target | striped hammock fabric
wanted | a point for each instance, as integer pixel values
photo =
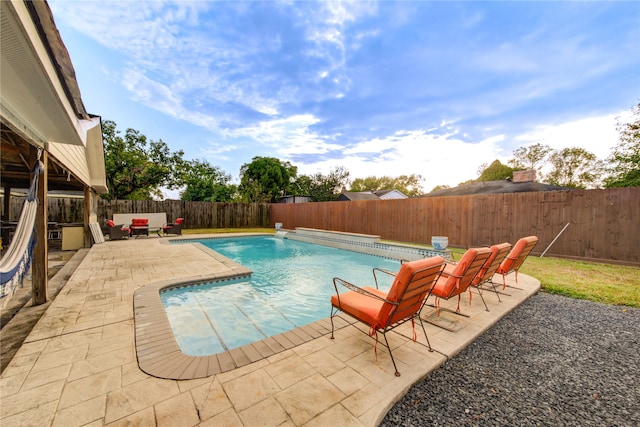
(16, 261)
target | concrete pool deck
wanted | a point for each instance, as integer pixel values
(79, 364)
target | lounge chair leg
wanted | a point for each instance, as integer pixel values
(331, 318)
(397, 374)
(425, 332)
(482, 298)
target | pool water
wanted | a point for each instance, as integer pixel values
(291, 286)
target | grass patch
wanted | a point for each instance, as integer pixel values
(605, 283)
(593, 281)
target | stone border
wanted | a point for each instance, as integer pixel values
(157, 350)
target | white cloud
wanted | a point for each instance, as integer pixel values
(289, 136)
(597, 135)
(439, 159)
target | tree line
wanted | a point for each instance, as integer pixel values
(138, 168)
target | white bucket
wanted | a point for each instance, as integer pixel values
(439, 243)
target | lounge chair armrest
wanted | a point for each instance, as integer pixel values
(358, 289)
(382, 270)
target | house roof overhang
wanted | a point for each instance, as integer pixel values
(40, 103)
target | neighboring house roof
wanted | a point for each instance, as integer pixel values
(390, 194)
(495, 187)
(371, 195)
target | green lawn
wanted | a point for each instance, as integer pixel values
(606, 283)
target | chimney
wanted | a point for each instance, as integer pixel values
(524, 176)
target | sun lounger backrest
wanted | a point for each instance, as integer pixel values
(497, 255)
(465, 271)
(410, 287)
(518, 254)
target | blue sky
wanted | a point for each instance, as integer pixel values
(380, 88)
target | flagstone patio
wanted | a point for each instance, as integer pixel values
(79, 365)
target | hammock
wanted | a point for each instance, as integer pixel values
(16, 261)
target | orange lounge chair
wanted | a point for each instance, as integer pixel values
(384, 311)
(516, 257)
(456, 278)
(489, 268)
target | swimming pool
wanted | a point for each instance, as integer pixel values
(291, 285)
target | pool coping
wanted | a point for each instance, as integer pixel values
(159, 354)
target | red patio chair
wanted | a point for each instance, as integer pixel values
(382, 311)
(173, 228)
(139, 226)
(117, 232)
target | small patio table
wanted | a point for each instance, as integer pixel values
(144, 230)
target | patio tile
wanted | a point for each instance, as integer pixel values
(267, 413)
(180, 407)
(21, 363)
(128, 400)
(250, 389)
(57, 358)
(31, 399)
(372, 396)
(324, 362)
(82, 413)
(73, 340)
(309, 398)
(89, 387)
(210, 399)
(131, 374)
(289, 371)
(228, 418)
(100, 363)
(36, 379)
(11, 384)
(348, 380)
(41, 415)
(145, 417)
(335, 416)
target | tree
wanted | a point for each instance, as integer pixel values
(496, 171)
(531, 157)
(322, 188)
(440, 187)
(624, 161)
(265, 179)
(409, 185)
(207, 183)
(136, 168)
(575, 168)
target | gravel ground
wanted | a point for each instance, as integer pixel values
(553, 361)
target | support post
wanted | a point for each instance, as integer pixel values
(6, 216)
(87, 216)
(40, 262)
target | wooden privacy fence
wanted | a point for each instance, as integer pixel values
(196, 214)
(604, 224)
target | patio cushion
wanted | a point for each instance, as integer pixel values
(139, 222)
(360, 306)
